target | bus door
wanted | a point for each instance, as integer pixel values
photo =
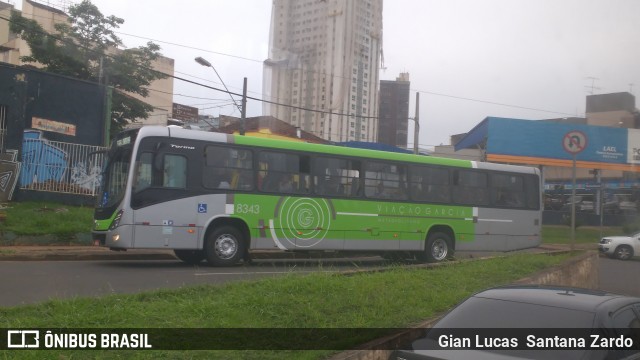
(163, 216)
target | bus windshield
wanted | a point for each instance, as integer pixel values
(114, 179)
(116, 170)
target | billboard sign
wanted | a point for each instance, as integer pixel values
(53, 126)
(185, 113)
(551, 140)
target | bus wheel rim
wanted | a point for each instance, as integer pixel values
(439, 249)
(226, 246)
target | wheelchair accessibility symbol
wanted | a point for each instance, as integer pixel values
(202, 208)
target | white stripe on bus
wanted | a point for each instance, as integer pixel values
(275, 238)
(356, 214)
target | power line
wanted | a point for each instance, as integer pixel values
(492, 102)
(189, 47)
(344, 77)
(292, 106)
(188, 96)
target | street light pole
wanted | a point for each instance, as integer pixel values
(243, 107)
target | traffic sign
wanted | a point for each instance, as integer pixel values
(574, 142)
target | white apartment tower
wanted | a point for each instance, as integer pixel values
(322, 74)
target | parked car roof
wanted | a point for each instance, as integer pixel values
(565, 297)
(512, 313)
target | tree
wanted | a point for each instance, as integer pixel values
(86, 47)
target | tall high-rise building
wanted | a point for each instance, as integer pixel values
(322, 74)
(394, 111)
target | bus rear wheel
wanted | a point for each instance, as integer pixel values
(190, 256)
(438, 247)
(224, 246)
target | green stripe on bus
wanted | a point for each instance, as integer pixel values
(309, 220)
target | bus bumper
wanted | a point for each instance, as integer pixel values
(118, 238)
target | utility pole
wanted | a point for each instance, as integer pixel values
(243, 113)
(416, 131)
(573, 205)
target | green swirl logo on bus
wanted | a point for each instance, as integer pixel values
(304, 222)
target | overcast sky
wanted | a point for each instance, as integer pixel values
(465, 57)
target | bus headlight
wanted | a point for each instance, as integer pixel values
(116, 221)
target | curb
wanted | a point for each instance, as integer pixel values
(68, 253)
(84, 257)
(87, 253)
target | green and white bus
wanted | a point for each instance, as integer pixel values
(217, 196)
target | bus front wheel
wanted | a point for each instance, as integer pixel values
(190, 256)
(438, 247)
(224, 246)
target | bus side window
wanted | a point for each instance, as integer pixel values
(385, 181)
(508, 190)
(334, 176)
(282, 172)
(355, 186)
(228, 168)
(269, 181)
(532, 192)
(471, 187)
(175, 171)
(430, 184)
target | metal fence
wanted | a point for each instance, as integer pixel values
(60, 167)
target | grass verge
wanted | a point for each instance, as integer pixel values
(584, 235)
(392, 299)
(41, 218)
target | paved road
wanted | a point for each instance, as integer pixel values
(37, 281)
(620, 276)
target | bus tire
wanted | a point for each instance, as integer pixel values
(438, 247)
(190, 256)
(224, 246)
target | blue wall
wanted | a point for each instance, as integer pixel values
(545, 139)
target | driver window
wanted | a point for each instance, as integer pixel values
(142, 174)
(175, 171)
